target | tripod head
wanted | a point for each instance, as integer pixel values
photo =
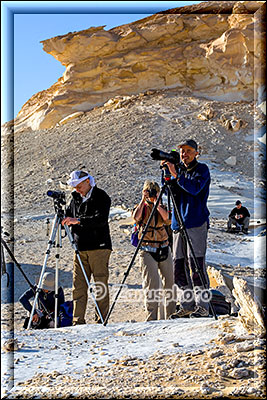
(165, 173)
(59, 201)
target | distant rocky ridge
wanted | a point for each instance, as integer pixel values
(215, 49)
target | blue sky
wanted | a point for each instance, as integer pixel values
(26, 68)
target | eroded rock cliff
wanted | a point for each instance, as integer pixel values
(215, 49)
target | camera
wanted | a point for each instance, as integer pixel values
(152, 193)
(172, 157)
(56, 194)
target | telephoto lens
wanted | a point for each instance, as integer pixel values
(56, 194)
(172, 157)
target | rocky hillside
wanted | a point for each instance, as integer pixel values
(214, 49)
(114, 140)
(114, 143)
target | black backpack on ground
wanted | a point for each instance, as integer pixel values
(221, 306)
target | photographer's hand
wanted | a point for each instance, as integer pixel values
(171, 168)
(145, 195)
(161, 209)
(70, 221)
(137, 213)
(35, 318)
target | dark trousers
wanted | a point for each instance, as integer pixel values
(190, 288)
(244, 224)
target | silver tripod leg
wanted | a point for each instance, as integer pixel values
(50, 243)
(83, 270)
(58, 245)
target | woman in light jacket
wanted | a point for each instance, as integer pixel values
(155, 253)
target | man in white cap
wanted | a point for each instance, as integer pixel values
(191, 191)
(87, 214)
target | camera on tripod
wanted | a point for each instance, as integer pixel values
(172, 157)
(59, 199)
(56, 194)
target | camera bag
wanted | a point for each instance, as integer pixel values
(161, 254)
(66, 313)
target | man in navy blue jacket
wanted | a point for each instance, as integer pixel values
(191, 191)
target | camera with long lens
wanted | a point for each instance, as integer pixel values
(152, 193)
(59, 200)
(56, 194)
(172, 157)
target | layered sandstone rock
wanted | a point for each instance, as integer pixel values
(215, 49)
(251, 313)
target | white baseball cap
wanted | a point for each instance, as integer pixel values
(77, 177)
(48, 282)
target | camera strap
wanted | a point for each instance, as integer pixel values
(191, 166)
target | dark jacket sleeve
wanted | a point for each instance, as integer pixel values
(232, 213)
(246, 212)
(69, 210)
(24, 299)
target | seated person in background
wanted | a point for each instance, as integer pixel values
(239, 216)
(46, 303)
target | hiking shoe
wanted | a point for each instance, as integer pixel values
(245, 230)
(181, 313)
(199, 312)
(75, 323)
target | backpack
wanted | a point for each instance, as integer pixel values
(221, 306)
(65, 314)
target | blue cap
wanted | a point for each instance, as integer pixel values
(189, 142)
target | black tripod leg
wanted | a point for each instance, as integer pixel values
(3, 265)
(200, 272)
(15, 261)
(135, 254)
(21, 270)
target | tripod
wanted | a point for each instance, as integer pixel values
(5, 246)
(55, 238)
(165, 187)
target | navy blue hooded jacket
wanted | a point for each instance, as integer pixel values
(191, 193)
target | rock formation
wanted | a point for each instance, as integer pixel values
(215, 49)
(223, 283)
(251, 313)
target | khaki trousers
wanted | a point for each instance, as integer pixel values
(95, 262)
(152, 272)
